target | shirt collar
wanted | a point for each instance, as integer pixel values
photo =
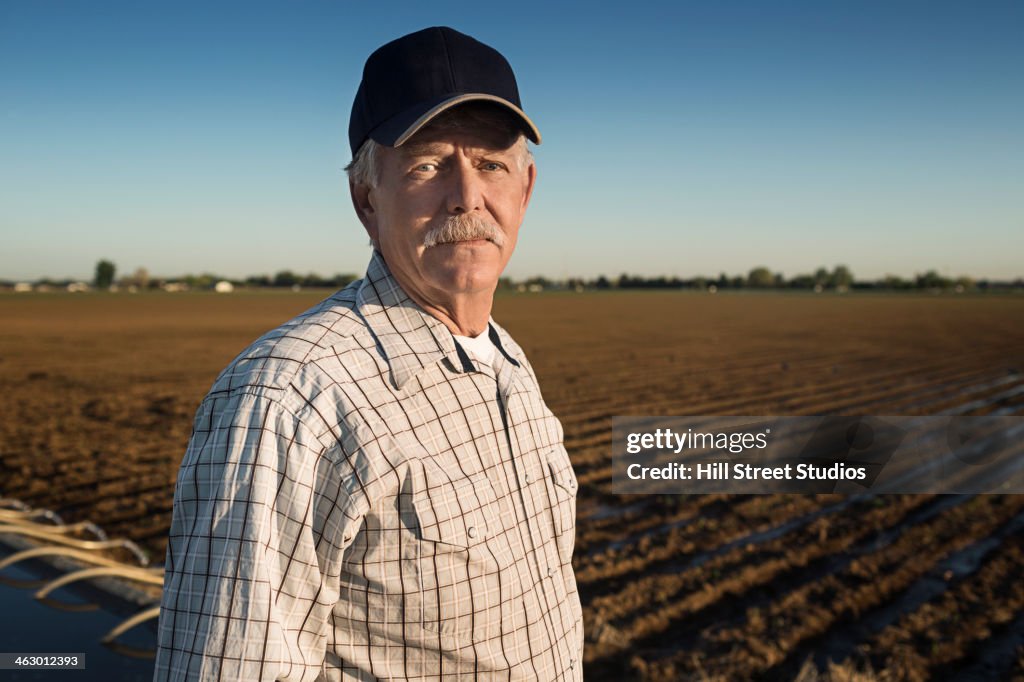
(410, 338)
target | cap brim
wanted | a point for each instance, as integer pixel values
(398, 129)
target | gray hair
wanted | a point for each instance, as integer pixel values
(365, 166)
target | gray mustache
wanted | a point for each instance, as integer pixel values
(462, 227)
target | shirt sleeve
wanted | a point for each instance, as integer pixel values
(261, 520)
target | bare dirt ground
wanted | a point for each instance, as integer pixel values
(99, 392)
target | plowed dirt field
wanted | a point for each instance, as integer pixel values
(99, 392)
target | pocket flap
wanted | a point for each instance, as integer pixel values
(453, 512)
(561, 470)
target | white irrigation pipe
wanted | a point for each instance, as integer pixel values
(16, 518)
(148, 614)
(57, 538)
(7, 514)
(141, 575)
(22, 518)
(88, 557)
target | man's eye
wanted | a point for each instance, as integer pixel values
(493, 166)
(426, 167)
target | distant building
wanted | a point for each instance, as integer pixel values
(22, 287)
(223, 287)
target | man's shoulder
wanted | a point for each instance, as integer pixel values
(332, 327)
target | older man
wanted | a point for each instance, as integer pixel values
(375, 490)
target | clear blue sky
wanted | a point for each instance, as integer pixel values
(679, 138)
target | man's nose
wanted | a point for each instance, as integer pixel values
(465, 193)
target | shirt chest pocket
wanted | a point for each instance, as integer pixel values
(460, 572)
(564, 485)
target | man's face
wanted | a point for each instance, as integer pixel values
(467, 177)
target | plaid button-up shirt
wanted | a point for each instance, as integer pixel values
(360, 501)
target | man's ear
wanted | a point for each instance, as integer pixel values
(362, 202)
(531, 180)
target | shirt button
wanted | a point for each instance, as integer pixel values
(526, 477)
(472, 531)
(551, 572)
(572, 663)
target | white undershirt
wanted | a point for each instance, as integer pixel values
(480, 347)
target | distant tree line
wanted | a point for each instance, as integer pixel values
(839, 279)
(105, 277)
(283, 279)
(287, 278)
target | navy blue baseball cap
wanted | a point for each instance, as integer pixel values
(409, 81)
